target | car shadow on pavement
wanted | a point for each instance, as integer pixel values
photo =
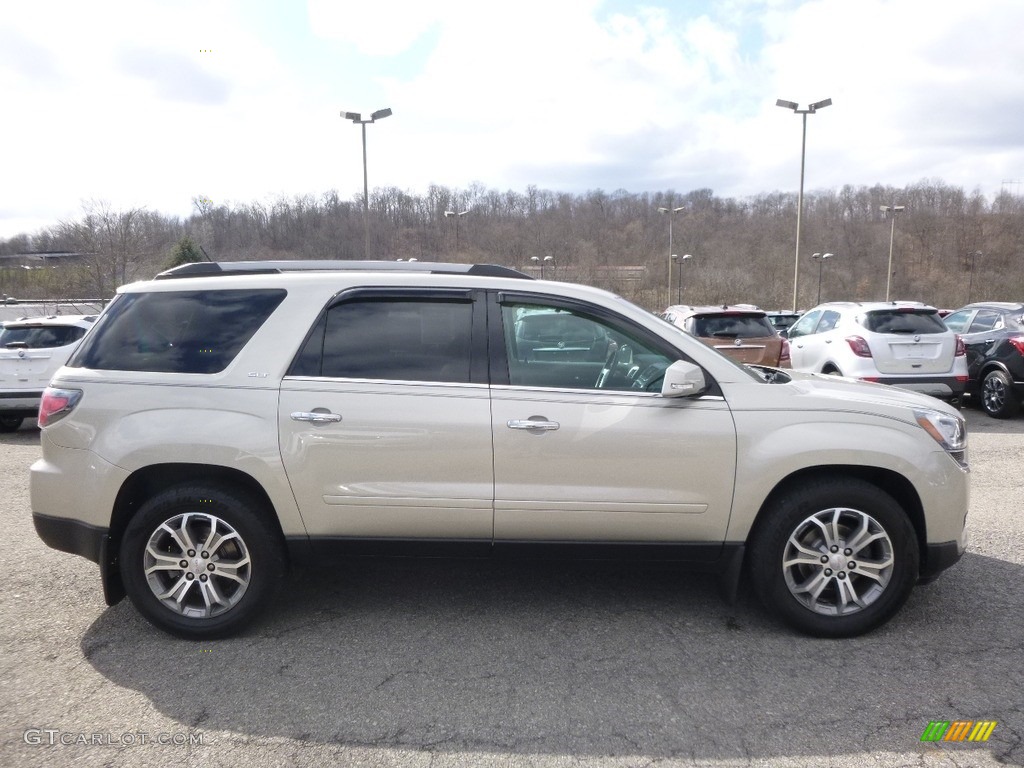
(581, 659)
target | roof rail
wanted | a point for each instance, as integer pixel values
(212, 268)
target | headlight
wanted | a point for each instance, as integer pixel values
(947, 430)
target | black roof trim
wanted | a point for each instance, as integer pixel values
(211, 268)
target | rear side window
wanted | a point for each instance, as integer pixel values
(40, 336)
(904, 321)
(732, 326)
(396, 339)
(177, 331)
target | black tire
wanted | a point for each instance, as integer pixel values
(10, 423)
(241, 541)
(997, 396)
(850, 505)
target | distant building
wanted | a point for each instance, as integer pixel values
(40, 259)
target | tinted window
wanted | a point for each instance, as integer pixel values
(40, 336)
(985, 320)
(829, 320)
(394, 339)
(904, 321)
(732, 326)
(176, 332)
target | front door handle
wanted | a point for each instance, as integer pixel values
(316, 418)
(539, 424)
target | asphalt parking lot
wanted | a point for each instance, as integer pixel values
(439, 663)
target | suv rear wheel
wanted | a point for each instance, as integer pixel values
(10, 423)
(201, 561)
(835, 559)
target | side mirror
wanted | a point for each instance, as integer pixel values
(683, 379)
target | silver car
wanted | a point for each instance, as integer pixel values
(225, 422)
(903, 343)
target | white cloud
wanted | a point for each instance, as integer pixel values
(151, 102)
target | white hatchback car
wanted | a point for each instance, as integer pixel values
(902, 343)
(31, 351)
(227, 420)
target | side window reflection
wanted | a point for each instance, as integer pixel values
(566, 349)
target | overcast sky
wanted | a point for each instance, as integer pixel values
(151, 103)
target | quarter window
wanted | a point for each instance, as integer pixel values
(176, 331)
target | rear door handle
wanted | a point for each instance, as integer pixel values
(541, 426)
(316, 418)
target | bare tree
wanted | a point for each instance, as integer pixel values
(116, 244)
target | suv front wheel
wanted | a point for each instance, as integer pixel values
(201, 561)
(836, 558)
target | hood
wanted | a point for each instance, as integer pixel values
(842, 394)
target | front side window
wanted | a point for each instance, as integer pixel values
(805, 325)
(562, 348)
(176, 331)
(394, 339)
(958, 320)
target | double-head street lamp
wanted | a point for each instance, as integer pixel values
(890, 211)
(679, 274)
(542, 262)
(820, 258)
(811, 109)
(458, 215)
(357, 118)
(671, 214)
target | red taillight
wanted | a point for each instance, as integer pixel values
(56, 404)
(859, 346)
(784, 354)
(1017, 342)
(961, 350)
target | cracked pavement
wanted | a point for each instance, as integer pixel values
(455, 664)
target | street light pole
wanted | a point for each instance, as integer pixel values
(820, 258)
(890, 211)
(671, 214)
(970, 282)
(679, 274)
(457, 216)
(811, 109)
(357, 118)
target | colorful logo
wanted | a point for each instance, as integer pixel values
(958, 730)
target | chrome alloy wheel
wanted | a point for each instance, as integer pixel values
(197, 565)
(838, 561)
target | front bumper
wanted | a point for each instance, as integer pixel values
(938, 557)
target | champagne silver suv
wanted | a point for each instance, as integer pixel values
(225, 421)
